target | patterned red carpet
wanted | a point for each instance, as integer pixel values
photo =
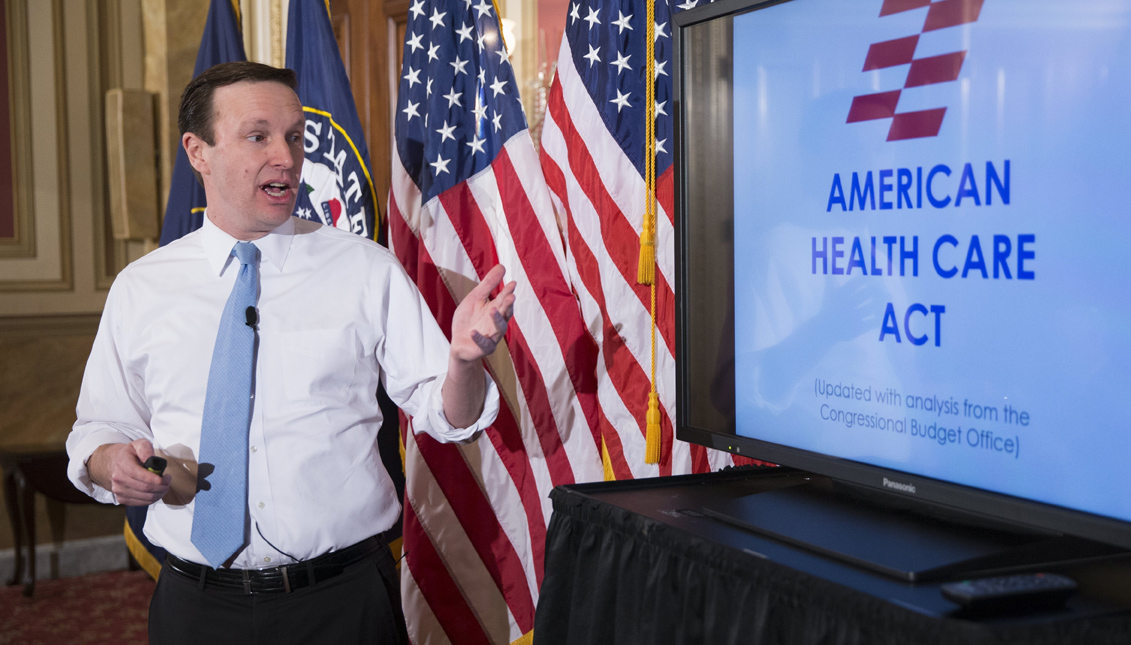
(91, 610)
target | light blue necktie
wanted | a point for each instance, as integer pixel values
(221, 507)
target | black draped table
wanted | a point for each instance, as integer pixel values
(636, 562)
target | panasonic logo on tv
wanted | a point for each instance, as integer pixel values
(905, 488)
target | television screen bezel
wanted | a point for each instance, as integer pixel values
(976, 503)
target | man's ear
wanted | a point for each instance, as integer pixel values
(194, 148)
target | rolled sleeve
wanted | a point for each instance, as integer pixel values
(435, 423)
(81, 444)
(414, 358)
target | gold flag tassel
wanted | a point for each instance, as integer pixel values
(610, 475)
(646, 267)
(646, 273)
(652, 445)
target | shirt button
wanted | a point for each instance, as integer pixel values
(254, 449)
(267, 558)
(261, 504)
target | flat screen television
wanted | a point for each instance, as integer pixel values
(902, 249)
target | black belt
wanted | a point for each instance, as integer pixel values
(285, 578)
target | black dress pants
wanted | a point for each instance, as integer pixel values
(361, 605)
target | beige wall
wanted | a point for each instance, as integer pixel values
(63, 54)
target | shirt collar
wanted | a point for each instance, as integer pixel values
(273, 247)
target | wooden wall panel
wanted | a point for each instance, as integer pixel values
(75, 50)
(45, 168)
(395, 26)
(359, 26)
(63, 55)
(18, 103)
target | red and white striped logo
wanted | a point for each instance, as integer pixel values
(944, 68)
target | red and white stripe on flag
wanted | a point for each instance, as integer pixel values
(600, 194)
(468, 192)
(476, 514)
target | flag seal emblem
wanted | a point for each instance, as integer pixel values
(335, 187)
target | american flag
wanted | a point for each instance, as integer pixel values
(593, 156)
(467, 193)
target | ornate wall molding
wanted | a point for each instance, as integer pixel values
(104, 47)
(18, 327)
(22, 245)
(278, 34)
(65, 281)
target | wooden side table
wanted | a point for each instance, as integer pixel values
(28, 470)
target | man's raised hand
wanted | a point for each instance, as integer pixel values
(480, 321)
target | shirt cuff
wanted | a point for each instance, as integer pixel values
(79, 451)
(437, 424)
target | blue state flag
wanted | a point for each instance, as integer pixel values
(222, 43)
(336, 187)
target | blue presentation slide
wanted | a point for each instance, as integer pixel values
(931, 231)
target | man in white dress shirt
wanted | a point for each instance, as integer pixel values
(335, 316)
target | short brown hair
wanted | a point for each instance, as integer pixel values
(195, 114)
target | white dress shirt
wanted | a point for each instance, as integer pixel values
(337, 315)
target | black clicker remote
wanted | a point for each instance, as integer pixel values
(1022, 591)
(155, 465)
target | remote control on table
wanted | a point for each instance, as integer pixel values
(1022, 591)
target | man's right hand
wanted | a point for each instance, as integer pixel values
(117, 467)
